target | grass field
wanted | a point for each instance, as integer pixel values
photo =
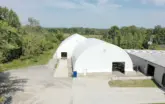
(132, 83)
(37, 60)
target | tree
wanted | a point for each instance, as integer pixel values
(28, 41)
(10, 43)
(33, 22)
(4, 13)
(10, 17)
(113, 32)
(13, 19)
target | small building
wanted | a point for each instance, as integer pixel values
(93, 55)
(150, 62)
(67, 46)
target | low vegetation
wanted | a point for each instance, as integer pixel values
(27, 45)
(132, 83)
(35, 60)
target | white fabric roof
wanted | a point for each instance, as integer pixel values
(154, 56)
(81, 47)
(68, 45)
(97, 55)
(73, 37)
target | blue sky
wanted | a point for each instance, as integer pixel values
(90, 13)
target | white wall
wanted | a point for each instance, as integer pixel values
(137, 61)
(68, 45)
(159, 70)
(99, 58)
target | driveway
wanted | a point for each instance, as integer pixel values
(97, 91)
(36, 85)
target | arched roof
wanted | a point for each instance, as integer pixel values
(100, 53)
(74, 37)
(81, 47)
(68, 45)
(88, 43)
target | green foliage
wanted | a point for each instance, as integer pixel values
(32, 45)
(80, 30)
(59, 36)
(130, 37)
(34, 60)
(33, 22)
(10, 17)
(10, 42)
(26, 44)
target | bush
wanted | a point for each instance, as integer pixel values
(32, 45)
(11, 54)
(49, 45)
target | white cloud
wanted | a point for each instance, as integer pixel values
(64, 12)
(102, 2)
(156, 2)
(62, 4)
(65, 4)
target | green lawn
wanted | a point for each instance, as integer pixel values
(37, 60)
(132, 83)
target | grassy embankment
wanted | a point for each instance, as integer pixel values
(132, 83)
(37, 60)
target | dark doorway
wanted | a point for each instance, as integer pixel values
(150, 70)
(118, 66)
(63, 54)
(163, 80)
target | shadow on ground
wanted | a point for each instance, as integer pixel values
(9, 86)
(156, 83)
(161, 88)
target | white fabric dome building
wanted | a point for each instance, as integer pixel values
(93, 55)
(67, 46)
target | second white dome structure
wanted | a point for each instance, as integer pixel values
(93, 55)
(67, 46)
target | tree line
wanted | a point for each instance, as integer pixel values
(80, 30)
(127, 37)
(133, 37)
(17, 41)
